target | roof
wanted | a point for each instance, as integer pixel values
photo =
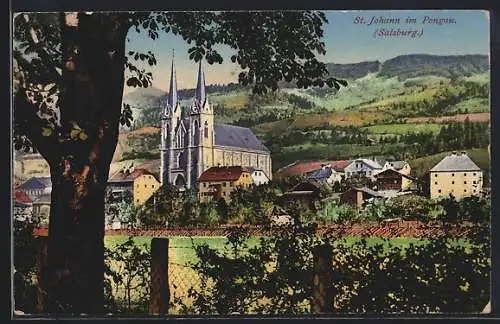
(36, 183)
(372, 164)
(396, 172)
(22, 197)
(236, 136)
(151, 166)
(455, 162)
(397, 165)
(321, 174)
(303, 167)
(368, 191)
(126, 176)
(227, 173)
(310, 185)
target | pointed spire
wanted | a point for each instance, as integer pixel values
(172, 92)
(200, 88)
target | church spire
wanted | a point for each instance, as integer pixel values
(200, 88)
(172, 92)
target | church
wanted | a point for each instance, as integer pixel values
(191, 142)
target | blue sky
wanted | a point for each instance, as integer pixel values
(346, 42)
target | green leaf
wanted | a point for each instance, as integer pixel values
(46, 131)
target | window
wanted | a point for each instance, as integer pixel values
(465, 182)
(439, 190)
(223, 184)
(204, 185)
(153, 186)
(453, 182)
(453, 174)
(137, 200)
(465, 190)
(205, 131)
(145, 186)
(474, 174)
(474, 182)
(465, 174)
(435, 182)
(474, 190)
(435, 175)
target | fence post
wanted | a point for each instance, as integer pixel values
(41, 261)
(160, 295)
(322, 295)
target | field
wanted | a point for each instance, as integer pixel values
(474, 117)
(399, 129)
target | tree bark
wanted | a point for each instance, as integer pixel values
(93, 54)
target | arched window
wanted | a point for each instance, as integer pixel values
(178, 162)
(206, 130)
(196, 133)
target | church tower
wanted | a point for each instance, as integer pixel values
(202, 135)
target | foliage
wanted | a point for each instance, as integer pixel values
(127, 277)
(335, 212)
(275, 277)
(24, 262)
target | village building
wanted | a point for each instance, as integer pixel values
(357, 197)
(304, 168)
(400, 166)
(327, 174)
(192, 143)
(41, 208)
(306, 193)
(362, 167)
(23, 206)
(259, 177)
(139, 182)
(219, 182)
(37, 187)
(456, 175)
(390, 179)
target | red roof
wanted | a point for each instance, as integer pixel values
(21, 196)
(127, 176)
(231, 173)
(303, 167)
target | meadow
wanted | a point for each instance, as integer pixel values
(400, 129)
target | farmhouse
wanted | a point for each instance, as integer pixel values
(456, 174)
(139, 182)
(307, 193)
(327, 174)
(259, 177)
(303, 168)
(219, 182)
(401, 166)
(357, 197)
(390, 179)
(363, 167)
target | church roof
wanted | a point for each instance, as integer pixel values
(236, 136)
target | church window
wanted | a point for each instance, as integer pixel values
(206, 130)
(196, 133)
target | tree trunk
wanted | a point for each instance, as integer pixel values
(93, 50)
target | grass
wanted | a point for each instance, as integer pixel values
(473, 105)
(234, 99)
(399, 129)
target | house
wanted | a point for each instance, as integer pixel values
(401, 166)
(390, 179)
(141, 183)
(327, 174)
(41, 208)
(307, 193)
(357, 197)
(303, 168)
(363, 167)
(455, 174)
(259, 177)
(219, 182)
(23, 206)
(35, 187)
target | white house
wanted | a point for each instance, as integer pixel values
(401, 166)
(259, 177)
(364, 167)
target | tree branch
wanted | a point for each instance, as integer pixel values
(31, 125)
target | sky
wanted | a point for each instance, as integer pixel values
(347, 41)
